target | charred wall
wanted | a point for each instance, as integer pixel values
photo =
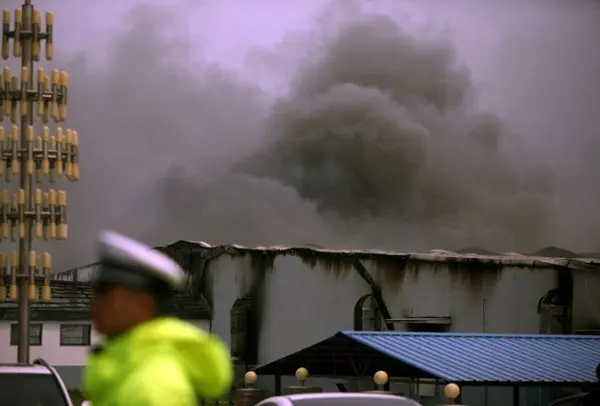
(292, 297)
(586, 301)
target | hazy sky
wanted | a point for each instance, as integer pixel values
(396, 124)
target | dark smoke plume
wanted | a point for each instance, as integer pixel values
(376, 139)
(382, 128)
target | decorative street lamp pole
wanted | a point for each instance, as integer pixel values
(32, 154)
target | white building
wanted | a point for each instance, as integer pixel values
(268, 302)
(271, 301)
(61, 331)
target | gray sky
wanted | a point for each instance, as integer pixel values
(478, 122)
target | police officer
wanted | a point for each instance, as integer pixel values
(147, 359)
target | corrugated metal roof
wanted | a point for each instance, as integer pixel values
(491, 357)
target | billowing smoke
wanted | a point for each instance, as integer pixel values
(382, 129)
(375, 136)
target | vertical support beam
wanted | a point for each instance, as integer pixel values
(25, 184)
(376, 291)
(277, 384)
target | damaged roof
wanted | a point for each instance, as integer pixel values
(540, 259)
(71, 301)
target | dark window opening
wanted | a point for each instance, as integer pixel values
(593, 332)
(552, 313)
(244, 335)
(367, 316)
(75, 334)
(428, 327)
(35, 334)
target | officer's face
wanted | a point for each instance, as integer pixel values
(115, 309)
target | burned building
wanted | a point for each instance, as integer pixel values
(270, 301)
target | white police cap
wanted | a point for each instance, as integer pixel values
(125, 260)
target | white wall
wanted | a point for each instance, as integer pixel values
(303, 304)
(586, 301)
(494, 301)
(51, 350)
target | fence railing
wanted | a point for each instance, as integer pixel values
(250, 395)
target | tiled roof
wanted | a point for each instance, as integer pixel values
(71, 301)
(462, 358)
(491, 357)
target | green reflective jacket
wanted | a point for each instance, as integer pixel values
(164, 362)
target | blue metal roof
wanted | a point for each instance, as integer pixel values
(490, 357)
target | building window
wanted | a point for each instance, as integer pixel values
(367, 316)
(75, 334)
(35, 334)
(595, 332)
(427, 327)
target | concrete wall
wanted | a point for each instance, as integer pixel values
(586, 301)
(488, 300)
(303, 304)
(68, 360)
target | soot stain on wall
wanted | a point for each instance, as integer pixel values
(473, 272)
